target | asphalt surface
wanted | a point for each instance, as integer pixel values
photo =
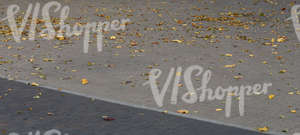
(252, 35)
(21, 111)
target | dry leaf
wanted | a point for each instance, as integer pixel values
(263, 129)
(177, 41)
(219, 109)
(34, 84)
(84, 81)
(119, 46)
(293, 111)
(228, 55)
(108, 118)
(36, 97)
(282, 71)
(271, 96)
(60, 37)
(281, 39)
(133, 43)
(230, 66)
(238, 77)
(47, 60)
(183, 111)
(113, 37)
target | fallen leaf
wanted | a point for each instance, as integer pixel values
(271, 96)
(238, 77)
(219, 109)
(183, 111)
(281, 39)
(133, 43)
(282, 71)
(36, 97)
(108, 118)
(59, 37)
(113, 37)
(228, 55)
(178, 73)
(177, 41)
(263, 129)
(34, 84)
(293, 111)
(50, 114)
(179, 21)
(230, 66)
(84, 81)
(265, 62)
(119, 46)
(47, 60)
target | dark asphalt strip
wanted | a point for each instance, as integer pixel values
(25, 108)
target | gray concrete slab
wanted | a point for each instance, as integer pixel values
(248, 38)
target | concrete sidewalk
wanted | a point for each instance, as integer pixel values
(251, 36)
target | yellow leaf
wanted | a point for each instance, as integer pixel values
(228, 55)
(47, 60)
(219, 109)
(180, 85)
(177, 41)
(183, 111)
(84, 81)
(273, 40)
(263, 129)
(178, 73)
(113, 37)
(282, 71)
(59, 37)
(36, 97)
(133, 43)
(34, 84)
(230, 66)
(91, 63)
(119, 46)
(265, 62)
(293, 111)
(238, 77)
(271, 96)
(165, 111)
(281, 39)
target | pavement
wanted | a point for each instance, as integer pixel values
(242, 42)
(26, 108)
